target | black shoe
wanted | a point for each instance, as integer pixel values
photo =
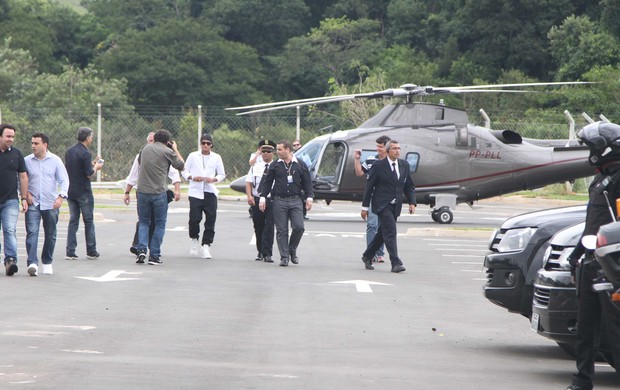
(155, 261)
(259, 257)
(140, 258)
(283, 263)
(92, 256)
(133, 250)
(577, 387)
(11, 267)
(294, 259)
(398, 268)
(367, 263)
(268, 259)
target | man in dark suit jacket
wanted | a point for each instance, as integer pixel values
(388, 179)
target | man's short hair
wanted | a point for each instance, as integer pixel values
(286, 144)
(384, 139)
(6, 126)
(83, 133)
(44, 138)
(390, 143)
(162, 136)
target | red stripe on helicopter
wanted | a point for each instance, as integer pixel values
(507, 172)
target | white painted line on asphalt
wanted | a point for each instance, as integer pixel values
(462, 249)
(473, 256)
(362, 286)
(465, 262)
(472, 270)
(81, 351)
(111, 276)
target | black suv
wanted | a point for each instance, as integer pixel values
(554, 307)
(517, 251)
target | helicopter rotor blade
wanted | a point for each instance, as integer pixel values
(557, 83)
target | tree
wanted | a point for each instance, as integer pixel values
(183, 63)
(266, 25)
(578, 45)
(17, 68)
(335, 50)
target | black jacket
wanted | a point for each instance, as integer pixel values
(382, 187)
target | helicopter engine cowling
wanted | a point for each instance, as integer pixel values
(508, 137)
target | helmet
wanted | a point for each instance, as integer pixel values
(603, 139)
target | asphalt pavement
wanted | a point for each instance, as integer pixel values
(234, 323)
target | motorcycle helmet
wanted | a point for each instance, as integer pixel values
(603, 139)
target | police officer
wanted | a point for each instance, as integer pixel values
(285, 181)
(262, 220)
(603, 139)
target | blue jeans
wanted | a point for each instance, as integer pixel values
(157, 206)
(34, 215)
(9, 210)
(85, 204)
(372, 225)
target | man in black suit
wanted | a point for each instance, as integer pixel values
(388, 179)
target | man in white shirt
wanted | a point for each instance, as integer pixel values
(262, 220)
(203, 169)
(131, 182)
(48, 184)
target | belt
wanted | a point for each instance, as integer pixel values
(287, 197)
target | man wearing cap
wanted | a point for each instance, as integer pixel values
(262, 220)
(285, 181)
(203, 169)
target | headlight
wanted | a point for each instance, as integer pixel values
(515, 239)
(546, 256)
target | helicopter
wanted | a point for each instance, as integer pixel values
(452, 161)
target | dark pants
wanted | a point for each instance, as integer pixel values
(285, 210)
(263, 227)
(197, 207)
(598, 320)
(84, 204)
(386, 233)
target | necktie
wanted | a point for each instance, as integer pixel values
(394, 171)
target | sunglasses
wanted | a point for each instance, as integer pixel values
(206, 143)
(266, 151)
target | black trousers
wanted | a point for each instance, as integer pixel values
(386, 233)
(598, 319)
(197, 207)
(263, 227)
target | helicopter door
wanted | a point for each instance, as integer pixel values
(327, 174)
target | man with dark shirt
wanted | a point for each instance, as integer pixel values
(80, 195)
(285, 180)
(12, 166)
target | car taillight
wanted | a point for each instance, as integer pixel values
(601, 240)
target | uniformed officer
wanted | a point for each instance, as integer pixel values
(262, 220)
(285, 180)
(603, 139)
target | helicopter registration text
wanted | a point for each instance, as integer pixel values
(492, 154)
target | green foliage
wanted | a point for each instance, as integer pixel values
(183, 63)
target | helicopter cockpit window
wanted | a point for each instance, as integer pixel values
(413, 159)
(309, 153)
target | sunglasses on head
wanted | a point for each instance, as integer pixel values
(206, 143)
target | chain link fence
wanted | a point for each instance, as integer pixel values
(119, 135)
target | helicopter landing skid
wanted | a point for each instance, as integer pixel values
(441, 209)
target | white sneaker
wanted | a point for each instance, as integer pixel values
(48, 269)
(204, 252)
(193, 249)
(33, 269)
